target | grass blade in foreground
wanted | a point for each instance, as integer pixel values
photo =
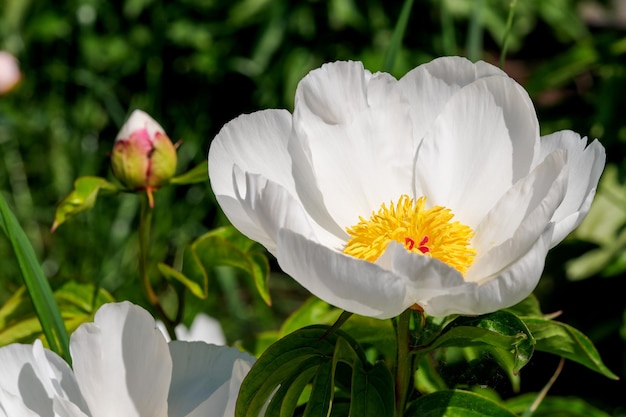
(36, 283)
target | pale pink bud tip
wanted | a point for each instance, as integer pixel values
(10, 73)
(143, 156)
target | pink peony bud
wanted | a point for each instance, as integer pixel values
(10, 73)
(143, 156)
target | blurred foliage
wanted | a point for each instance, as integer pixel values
(196, 64)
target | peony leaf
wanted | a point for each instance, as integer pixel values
(332, 363)
(77, 303)
(456, 403)
(367, 331)
(501, 330)
(193, 176)
(221, 247)
(171, 274)
(82, 198)
(564, 340)
(313, 311)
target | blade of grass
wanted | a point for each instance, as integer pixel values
(398, 35)
(36, 283)
(507, 32)
(448, 36)
(475, 32)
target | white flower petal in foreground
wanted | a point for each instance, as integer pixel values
(122, 367)
(434, 191)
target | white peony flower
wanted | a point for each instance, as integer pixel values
(434, 191)
(122, 367)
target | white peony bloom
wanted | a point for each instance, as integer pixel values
(122, 367)
(434, 191)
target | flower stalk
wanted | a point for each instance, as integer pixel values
(145, 222)
(404, 363)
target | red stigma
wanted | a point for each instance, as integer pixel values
(422, 246)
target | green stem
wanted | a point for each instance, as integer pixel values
(404, 365)
(145, 222)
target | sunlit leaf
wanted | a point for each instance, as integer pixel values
(81, 199)
(528, 307)
(77, 303)
(564, 340)
(36, 283)
(313, 311)
(456, 403)
(221, 247)
(365, 330)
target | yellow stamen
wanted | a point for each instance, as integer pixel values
(429, 232)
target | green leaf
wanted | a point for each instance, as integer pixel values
(564, 340)
(456, 403)
(366, 331)
(312, 311)
(221, 247)
(82, 198)
(372, 391)
(554, 407)
(198, 174)
(500, 330)
(77, 303)
(313, 356)
(36, 283)
(528, 307)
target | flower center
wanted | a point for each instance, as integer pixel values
(428, 232)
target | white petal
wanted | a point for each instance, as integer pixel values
(138, 120)
(13, 405)
(273, 208)
(205, 379)
(122, 363)
(354, 285)
(254, 143)
(482, 142)
(503, 290)
(65, 408)
(36, 375)
(335, 93)
(355, 138)
(424, 277)
(429, 87)
(586, 165)
(505, 218)
(519, 218)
